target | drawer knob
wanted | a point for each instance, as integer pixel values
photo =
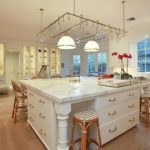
(112, 130)
(41, 131)
(131, 106)
(31, 119)
(131, 94)
(132, 120)
(30, 94)
(112, 100)
(112, 113)
(31, 106)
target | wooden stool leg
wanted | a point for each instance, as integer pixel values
(83, 137)
(13, 107)
(72, 143)
(15, 115)
(99, 137)
(147, 114)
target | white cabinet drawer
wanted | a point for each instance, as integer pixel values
(117, 98)
(113, 129)
(108, 114)
(108, 132)
(128, 122)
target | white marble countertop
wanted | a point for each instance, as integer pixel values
(61, 90)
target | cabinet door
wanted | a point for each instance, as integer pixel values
(1, 62)
(26, 61)
(45, 56)
(32, 60)
(40, 59)
(55, 57)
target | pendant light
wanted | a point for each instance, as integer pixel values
(91, 46)
(66, 42)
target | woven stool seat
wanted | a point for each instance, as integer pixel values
(85, 115)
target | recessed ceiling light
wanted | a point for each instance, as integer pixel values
(131, 19)
(146, 36)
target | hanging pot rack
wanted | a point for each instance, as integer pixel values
(82, 20)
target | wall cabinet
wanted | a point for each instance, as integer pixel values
(33, 59)
(54, 61)
(29, 61)
(2, 66)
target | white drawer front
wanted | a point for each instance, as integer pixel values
(112, 130)
(117, 98)
(108, 132)
(108, 114)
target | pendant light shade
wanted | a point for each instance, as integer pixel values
(66, 42)
(91, 46)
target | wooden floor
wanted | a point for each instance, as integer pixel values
(20, 136)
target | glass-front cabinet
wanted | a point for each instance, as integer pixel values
(2, 62)
(29, 61)
(33, 59)
(55, 58)
(42, 57)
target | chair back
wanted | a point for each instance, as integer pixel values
(17, 89)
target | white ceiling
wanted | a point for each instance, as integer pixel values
(20, 19)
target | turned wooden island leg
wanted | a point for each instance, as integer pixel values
(62, 111)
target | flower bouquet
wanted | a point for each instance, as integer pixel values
(124, 74)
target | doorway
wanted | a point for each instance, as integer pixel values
(11, 66)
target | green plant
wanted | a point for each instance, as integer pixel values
(125, 75)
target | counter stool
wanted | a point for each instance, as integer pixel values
(20, 101)
(85, 119)
(145, 108)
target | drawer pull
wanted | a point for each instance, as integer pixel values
(31, 119)
(31, 106)
(42, 116)
(30, 94)
(131, 106)
(113, 113)
(132, 120)
(41, 101)
(112, 130)
(41, 132)
(131, 94)
(112, 100)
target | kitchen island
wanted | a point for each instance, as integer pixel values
(52, 102)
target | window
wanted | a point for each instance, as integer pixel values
(91, 63)
(102, 61)
(97, 63)
(143, 52)
(76, 64)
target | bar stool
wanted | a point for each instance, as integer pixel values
(85, 119)
(145, 108)
(20, 101)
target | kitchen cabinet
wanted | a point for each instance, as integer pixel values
(2, 62)
(33, 59)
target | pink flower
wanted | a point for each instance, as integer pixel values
(114, 54)
(130, 56)
(125, 55)
(120, 56)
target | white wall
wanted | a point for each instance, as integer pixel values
(119, 46)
